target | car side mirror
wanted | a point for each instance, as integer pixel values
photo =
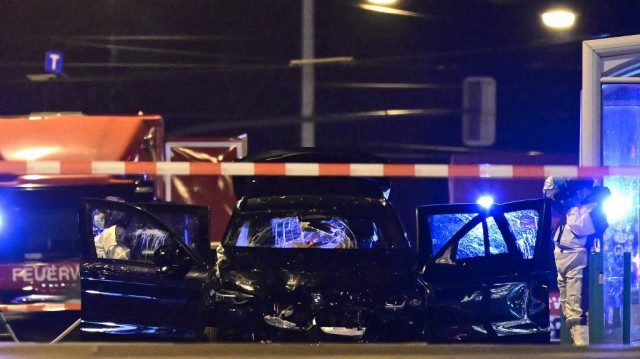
(169, 259)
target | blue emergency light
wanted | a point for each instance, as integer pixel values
(617, 207)
(485, 201)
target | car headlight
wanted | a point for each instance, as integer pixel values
(231, 297)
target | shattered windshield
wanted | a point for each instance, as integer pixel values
(302, 229)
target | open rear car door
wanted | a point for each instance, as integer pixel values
(144, 270)
(487, 270)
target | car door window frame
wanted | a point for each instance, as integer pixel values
(86, 229)
(482, 219)
(448, 252)
(202, 249)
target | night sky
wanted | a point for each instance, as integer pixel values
(221, 68)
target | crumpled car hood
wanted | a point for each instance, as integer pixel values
(265, 271)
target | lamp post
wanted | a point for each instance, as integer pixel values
(308, 127)
(308, 81)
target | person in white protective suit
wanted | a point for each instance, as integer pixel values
(111, 243)
(581, 222)
(110, 235)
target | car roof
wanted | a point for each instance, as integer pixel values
(294, 201)
(264, 186)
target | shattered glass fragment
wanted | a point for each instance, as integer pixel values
(472, 244)
(285, 231)
(497, 245)
(524, 227)
(445, 226)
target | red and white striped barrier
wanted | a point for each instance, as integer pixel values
(40, 307)
(307, 169)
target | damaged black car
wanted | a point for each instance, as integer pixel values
(314, 258)
(318, 268)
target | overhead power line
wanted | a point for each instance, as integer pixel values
(154, 75)
(134, 65)
(200, 54)
(388, 85)
(296, 120)
(154, 37)
(476, 51)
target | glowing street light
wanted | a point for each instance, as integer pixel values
(385, 6)
(382, 2)
(559, 19)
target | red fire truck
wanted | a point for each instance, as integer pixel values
(39, 249)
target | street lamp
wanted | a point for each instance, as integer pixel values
(559, 19)
(382, 2)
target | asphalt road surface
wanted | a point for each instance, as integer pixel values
(333, 351)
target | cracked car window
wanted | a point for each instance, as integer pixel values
(497, 245)
(445, 226)
(185, 226)
(524, 227)
(472, 244)
(126, 236)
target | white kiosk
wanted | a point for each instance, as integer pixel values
(610, 136)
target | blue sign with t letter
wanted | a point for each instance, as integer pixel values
(53, 62)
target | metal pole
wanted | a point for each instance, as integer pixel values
(596, 299)
(626, 300)
(67, 331)
(6, 326)
(565, 334)
(308, 127)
